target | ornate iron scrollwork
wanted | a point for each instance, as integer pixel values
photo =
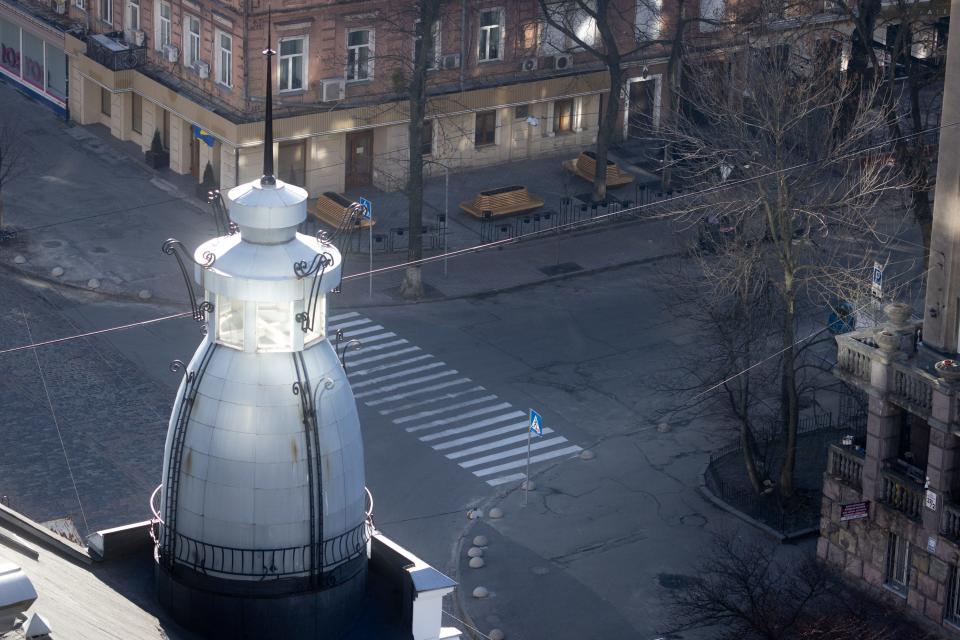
(315, 268)
(225, 226)
(173, 247)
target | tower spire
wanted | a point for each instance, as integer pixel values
(268, 177)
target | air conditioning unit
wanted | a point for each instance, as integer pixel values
(332, 90)
(60, 6)
(529, 64)
(139, 37)
(203, 69)
(451, 61)
(171, 52)
(561, 63)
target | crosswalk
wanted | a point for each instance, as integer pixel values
(450, 413)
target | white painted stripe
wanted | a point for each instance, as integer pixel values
(360, 332)
(459, 418)
(523, 461)
(440, 398)
(449, 407)
(383, 367)
(416, 392)
(513, 477)
(405, 383)
(472, 426)
(344, 325)
(342, 316)
(515, 428)
(516, 451)
(392, 354)
(377, 338)
(398, 374)
(496, 444)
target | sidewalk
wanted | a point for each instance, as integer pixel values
(91, 215)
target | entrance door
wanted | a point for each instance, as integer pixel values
(640, 115)
(194, 155)
(359, 159)
(292, 162)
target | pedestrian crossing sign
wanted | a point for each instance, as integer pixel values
(536, 423)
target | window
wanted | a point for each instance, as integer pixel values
(491, 31)
(10, 46)
(485, 131)
(191, 43)
(56, 71)
(224, 59)
(230, 322)
(521, 112)
(32, 59)
(426, 142)
(163, 26)
(80, 4)
(563, 116)
(133, 14)
(105, 102)
(530, 37)
(648, 19)
(106, 11)
(711, 10)
(898, 563)
(434, 54)
(136, 113)
(274, 326)
(359, 50)
(292, 65)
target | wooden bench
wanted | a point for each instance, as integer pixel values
(585, 166)
(500, 202)
(332, 209)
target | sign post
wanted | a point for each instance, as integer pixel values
(876, 287)
(368, 215)
(535, 428)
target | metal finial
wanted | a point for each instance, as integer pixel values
(268, 177)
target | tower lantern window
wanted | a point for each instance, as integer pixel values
(230, 322)
(274, 326)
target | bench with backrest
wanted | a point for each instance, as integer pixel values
(504, 201)
(332, 209)
(585, 166)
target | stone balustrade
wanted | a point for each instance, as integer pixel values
(901, 493)
(846, 464)
(912, 389)
(854, 356)
(950, 522)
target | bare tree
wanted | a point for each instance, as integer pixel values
(767, 131)
(12, 160)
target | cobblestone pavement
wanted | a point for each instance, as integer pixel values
(111, 418)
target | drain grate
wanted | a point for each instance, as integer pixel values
(561, 269)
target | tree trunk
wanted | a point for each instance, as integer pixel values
(750, 456)
(790, 407)
(607, 128)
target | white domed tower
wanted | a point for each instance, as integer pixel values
(262, 522)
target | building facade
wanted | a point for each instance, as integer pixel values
(32, 54)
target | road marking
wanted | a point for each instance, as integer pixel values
(384, 367)
(445, 409)
(344, 325)
(368, 339)
(405, 383)
(483, 436)
(440, 398)
(473, 426)
(383, 356)
(496, 444)
(516, 451)
(342, 316)
(519, 463)
(513, 477)
(407, 394)
(353, 333)
(459, 417)
(399, 374)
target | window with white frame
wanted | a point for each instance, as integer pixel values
(191, 41)
(133, 15)
(434, 51)
(224, 59)
(274, 326)
(898, 563)
(491, 34)
(80, 4)
(229, 322)
(106, 11)
(359, 54)
(293, 66)
(648, 19)
(163, 26)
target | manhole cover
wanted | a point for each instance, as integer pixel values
(52, 244)
(560, 269)
(675, 580)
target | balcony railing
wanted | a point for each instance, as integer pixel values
(846, 463)
(109, 50)
(901, 493)
(912, 389)
(853, 357)
(950, 524)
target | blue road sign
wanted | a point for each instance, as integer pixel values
(367, 208)
(536, 423)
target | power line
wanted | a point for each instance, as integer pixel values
(34, 345)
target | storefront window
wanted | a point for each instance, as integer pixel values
(275, 326)
(10, 47)
(33, 59)
(230, 322)
(56, 72)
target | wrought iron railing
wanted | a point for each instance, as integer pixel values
(912, 389)
(846, 464)
(950, 521)
(901, 493)
(115, 57)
